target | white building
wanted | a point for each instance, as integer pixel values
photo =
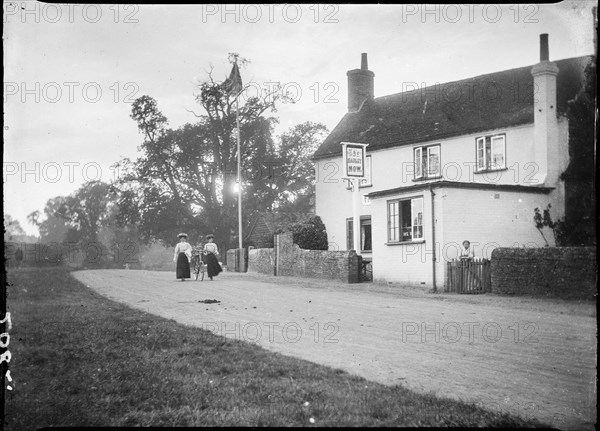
(469, 159)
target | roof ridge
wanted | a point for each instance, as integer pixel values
(475, 77)
(401, 118)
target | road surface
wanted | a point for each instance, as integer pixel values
(524, 356)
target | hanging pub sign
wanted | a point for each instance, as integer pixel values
(353, 156)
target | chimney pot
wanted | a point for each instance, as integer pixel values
(364, 65)
(360, 85)
(544, 54)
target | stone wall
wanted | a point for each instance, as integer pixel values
(287, 259)
(557, 272)
(261, 260)
(293, 261)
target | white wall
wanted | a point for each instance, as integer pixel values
(333, 201)
(394, 167)
(407, 263)
(488, 219)
(460, 213)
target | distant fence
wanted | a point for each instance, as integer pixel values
(469, 276)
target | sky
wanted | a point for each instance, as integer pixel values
(72, 71)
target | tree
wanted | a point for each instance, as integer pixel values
(75, 218)
(543, 220)
(219, 125)
(189, 173)
(154, 213)
(295, 181)
(12, 228)
(55, 226)
(580, 218)
(87, 221)
(157, 145)
(309, 234)
(87, 209)
(184, 178)
(174, 174)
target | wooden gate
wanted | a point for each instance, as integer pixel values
(469, 276)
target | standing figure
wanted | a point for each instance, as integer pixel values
(210, 253)
(466, 253)
(183, 255)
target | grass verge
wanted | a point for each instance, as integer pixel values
(79, 359)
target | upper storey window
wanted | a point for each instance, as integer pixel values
(427, 161)
(491, 152)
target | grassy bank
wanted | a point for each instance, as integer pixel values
(79, 359)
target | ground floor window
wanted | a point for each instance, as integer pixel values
(405, 220)
(365, 234)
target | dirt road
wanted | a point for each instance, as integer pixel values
(528, 357)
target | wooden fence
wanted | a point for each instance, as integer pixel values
(469, 276)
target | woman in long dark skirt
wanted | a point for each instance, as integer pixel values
(182, 256)
(210, 253)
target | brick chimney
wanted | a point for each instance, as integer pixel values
(360, 85)
(546, 145)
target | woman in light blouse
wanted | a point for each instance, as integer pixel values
(183, 255)
(210, 254)
(466, 252)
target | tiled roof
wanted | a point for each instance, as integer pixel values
(487, 102)
(274, 220)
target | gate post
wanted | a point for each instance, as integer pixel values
(461, 277)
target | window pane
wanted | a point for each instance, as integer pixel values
(396, 223)
(418, 162)
(498, 150)
(393, 225)
(417, 217)
(365, 235)
(433, 156)
(349, 234)
(405, 218)
(480, 153)
(488, 153)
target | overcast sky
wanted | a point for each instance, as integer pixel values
(72, 71)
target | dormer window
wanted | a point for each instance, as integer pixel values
(427, 161)
(491, 152)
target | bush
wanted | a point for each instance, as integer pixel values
(156, 256)
(309, 234)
